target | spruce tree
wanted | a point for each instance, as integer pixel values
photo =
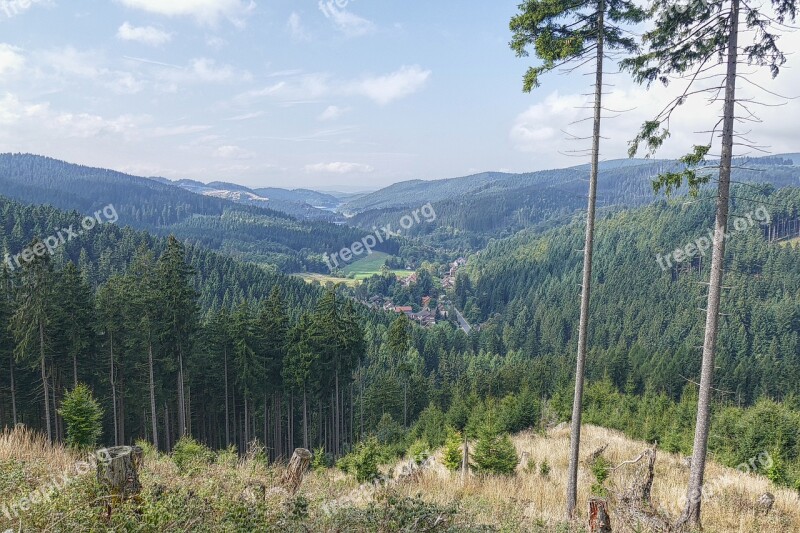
(34, 318)
(697, 41)
(566, 33)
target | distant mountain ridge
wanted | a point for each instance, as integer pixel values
(227, 220)
(300, 203)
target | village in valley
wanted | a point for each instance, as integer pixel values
(430, 307)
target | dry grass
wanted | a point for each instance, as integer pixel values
(528, 501)
(532, 500)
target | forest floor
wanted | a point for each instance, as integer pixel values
(235, 494)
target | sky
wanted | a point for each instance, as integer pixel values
(328, 94)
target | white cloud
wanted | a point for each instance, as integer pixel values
(348, 23)
(399, 84)
(296, 28)
(143, 34)
(41, 122)
(11, 60)
(12, 110)
(217, 43)
(332, 112)
(204, 11)
(170, 131)
(246, 116)
(544, 127)
(339, 167)
(230, 151)
(207, 70)
(12, 8)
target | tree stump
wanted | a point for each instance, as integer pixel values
(765, 503)
(293, 476)
(118, 473)
(599, 519)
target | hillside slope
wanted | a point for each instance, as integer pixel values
(244, 496)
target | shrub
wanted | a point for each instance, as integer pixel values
(418, 451)
(320, 460)
(363, 461)
(453, 451)
(190, 456)
(148, 450)
(229, 456)
(495, 453)
(530, 467)
(83, 417)
(544, 468)
(601, 468)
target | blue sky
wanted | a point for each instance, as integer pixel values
(332, 94)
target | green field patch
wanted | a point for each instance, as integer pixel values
(372, 264)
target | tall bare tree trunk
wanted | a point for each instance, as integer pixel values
(13, 393)
(227, 415)
(694, 493)
(181, 397)
(113, 390)
(44, 382)
(305, 419)
(166, 427)
(153, 413)
(575, 432)
(246, 432)
(336, 416)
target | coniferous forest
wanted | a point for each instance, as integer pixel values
(379, 268)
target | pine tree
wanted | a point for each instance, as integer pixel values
(33, 318)
(110, 320)
(77, 310)
(176, 290)
(564, 33)
(83, 417)
(690, 41)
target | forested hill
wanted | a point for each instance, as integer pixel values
(246, 232)
(648, 321)
(473, 210)
(109, 249)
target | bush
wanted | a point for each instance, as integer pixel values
(431, 427)
(601, 468)
(190, 456)
(544, 468)
(530, 467)
(148, 450)
(363, 461)
(320, 460)
(83, 417)
(228, 457)
(418, 451)
(453, 451)
(495, 453)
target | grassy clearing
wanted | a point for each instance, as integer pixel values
(235, 494)
(370, 265)
(791, 242)
(310, 277)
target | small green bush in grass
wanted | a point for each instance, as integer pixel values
(83, 418)
(494, 452)
(190, 456)
(453, 451)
